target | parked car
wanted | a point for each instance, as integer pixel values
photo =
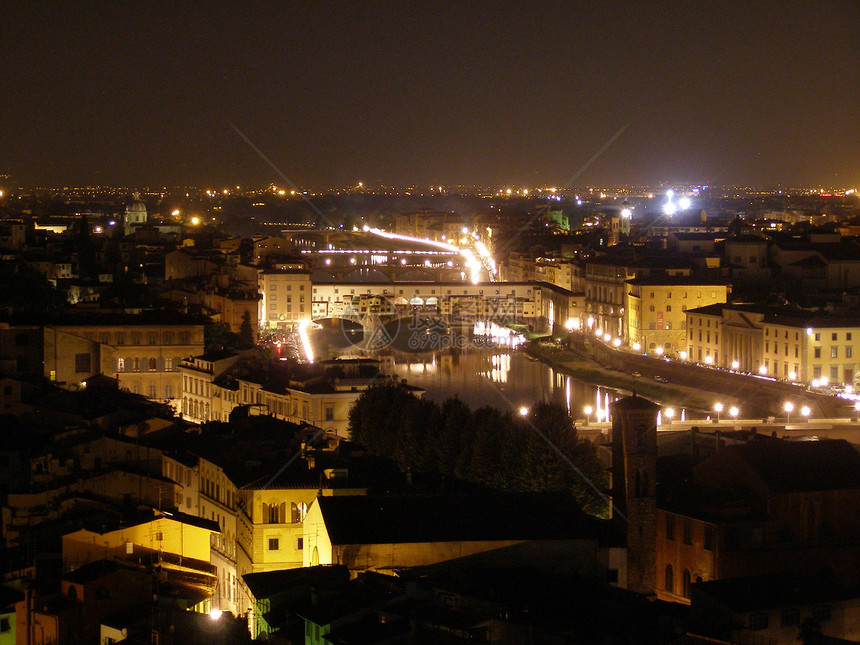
(661, 379)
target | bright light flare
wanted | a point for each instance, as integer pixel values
(735, 365)
(626, 213)
(684, 203)
(734, 412)
(524, 411)
(762, 370)
(195, 220)
(215, 614)
(306, 341)
(669, 208)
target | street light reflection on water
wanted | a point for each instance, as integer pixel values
(499, 378)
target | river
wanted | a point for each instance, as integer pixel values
(501, 378)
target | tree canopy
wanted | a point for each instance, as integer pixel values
(502, 450)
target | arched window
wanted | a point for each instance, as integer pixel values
(274, 514)
(686, 580)
(298, 512)
(669, 579)
(120, 365)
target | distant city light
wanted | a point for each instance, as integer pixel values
(175, 212)
(735, 365)
(659, 351)
(524, 411)
(637, 347)
(195, 220)
(626, 213)
(683, 355)
(762, 370)
(792, 376)
(709, 359)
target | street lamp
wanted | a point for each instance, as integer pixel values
(789, 408)
(804, 411)
(588, 410)
(734, 412)
(718, 408)
(670, 413)
(524, 411)
(736, 365)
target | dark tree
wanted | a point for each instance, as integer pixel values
(499, 450)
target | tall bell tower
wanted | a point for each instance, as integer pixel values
(634, 486)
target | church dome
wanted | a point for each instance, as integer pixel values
(136, 206)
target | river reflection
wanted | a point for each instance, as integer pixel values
(505, 379)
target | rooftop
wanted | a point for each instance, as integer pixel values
(464, 517)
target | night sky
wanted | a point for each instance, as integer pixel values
(136, 93)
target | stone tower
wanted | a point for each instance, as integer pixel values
(634, 486)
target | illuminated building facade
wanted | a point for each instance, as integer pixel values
(656, 307)
(285, 298)
(772, 341)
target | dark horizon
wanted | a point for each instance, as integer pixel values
(424, 94)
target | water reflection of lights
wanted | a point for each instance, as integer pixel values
(501, 367)
(501, 336)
